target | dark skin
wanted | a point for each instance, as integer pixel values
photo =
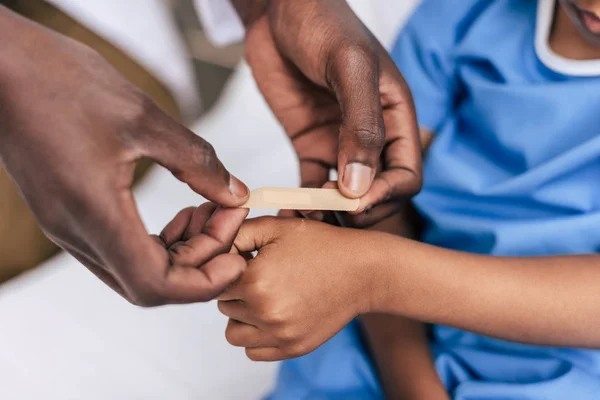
(72, 130)
(342, 102)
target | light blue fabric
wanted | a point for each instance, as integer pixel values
(514, 170)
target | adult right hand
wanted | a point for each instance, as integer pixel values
(341, 100)
(71, 131)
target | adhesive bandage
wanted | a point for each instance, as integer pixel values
(301, 199)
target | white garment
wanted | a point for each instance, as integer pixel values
(383, 17)
(220, 21)
(145, 30)
(545, 17)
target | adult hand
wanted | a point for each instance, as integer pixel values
(339, 97)
(290, 300)
(71, 131)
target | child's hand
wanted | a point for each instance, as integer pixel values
(305, 284)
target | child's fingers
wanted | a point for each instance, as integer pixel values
(237, 310)
(265, 354)
(243, 335)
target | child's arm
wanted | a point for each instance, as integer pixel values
(399, 345)
(400, 349)
(293, 300)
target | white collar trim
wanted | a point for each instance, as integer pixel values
(545, 17)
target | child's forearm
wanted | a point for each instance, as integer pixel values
(399, 346)
(401, 353)
(540, 300)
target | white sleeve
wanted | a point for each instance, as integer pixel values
(221, 22)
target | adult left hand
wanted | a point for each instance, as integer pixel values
(340, 99)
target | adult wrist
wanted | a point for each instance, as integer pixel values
(8, 56)
(16, 38)
(6, 40)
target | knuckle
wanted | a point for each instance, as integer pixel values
(369, 134)
(274, 317)
(286, 334)
(270, 314)
(138, 111)
(203, 154)
(259, 289)
(274, 222)
(355, 56)
(297, 349)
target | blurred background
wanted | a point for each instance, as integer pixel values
(63, 334)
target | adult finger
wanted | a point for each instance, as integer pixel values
(401, 176)
(371, 216)
(354, 76)
(313, 173)
(192, 160)
(198, 220)
(215, 237)
(142, 266)
(174, 230)
(190, 285)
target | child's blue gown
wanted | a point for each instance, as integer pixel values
(514, 170)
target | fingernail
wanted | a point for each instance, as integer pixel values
(237, 188)
(357, 178)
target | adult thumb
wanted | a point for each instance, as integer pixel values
(354, 76)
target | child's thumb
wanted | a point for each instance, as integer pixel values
(256, 233)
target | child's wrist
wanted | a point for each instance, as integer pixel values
(378, 262)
